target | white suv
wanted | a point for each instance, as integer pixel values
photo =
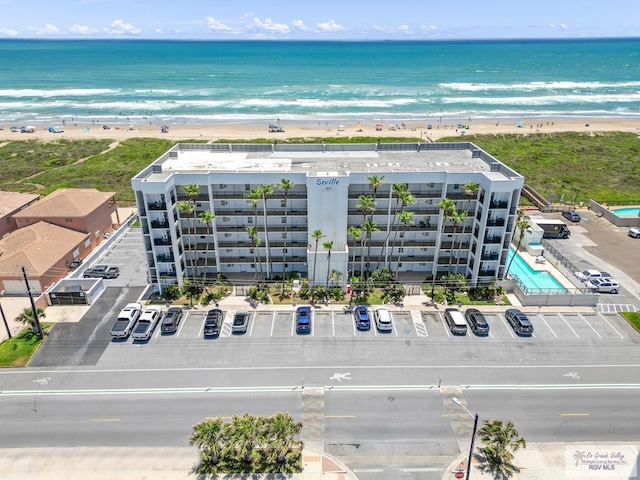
(589, 275)
(634, 232)
(604, 285)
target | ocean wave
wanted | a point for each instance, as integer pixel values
(533, 86)
(67, 92)
(546, 100)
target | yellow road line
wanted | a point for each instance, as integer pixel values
(104, 419)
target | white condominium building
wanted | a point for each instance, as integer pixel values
(197, 232)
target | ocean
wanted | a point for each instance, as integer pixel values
(125, 81)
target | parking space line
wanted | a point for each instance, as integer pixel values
(293, 324)
(614, 328)
(333, 323)
(182, 322)
(272, 325)
(202, 327)
(393, 326)
(594, 330)
(418, 324)
(565, 321)
(313, 323)
(227, 324)
(446, 329)
(252, 319)
(548, 326)
(507, 326)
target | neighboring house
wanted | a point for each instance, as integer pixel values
(44, 250)
(85, 210)
(10, 204)
(328, 181)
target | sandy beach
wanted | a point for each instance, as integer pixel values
(239, 131)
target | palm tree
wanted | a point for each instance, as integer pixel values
(458, 219)
(210, 437)
(405, 198)
(252, 231)
(248, 433)
(375, 181)
(187, 208)
(316, 235)
(368, 228)
(471, 189)
(192, 190)
(206, 218)
(254, 197)
(266, 190)
(501, 441)
(396, 190)
(27, 317)
(328, 246)
(447, 206)
(281, 431)
(461, 217)
(285, 185)
(355, 233)
(367, 205)
(522, 224)
(406, 218)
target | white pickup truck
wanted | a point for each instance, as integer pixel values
(147, 323)
(126, 320)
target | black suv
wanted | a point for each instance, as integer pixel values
(477, 323)
(212, 323)
(171, 320)
(519, 322)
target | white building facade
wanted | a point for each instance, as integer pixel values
(328, 182)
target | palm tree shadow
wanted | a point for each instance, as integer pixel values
(485, 468)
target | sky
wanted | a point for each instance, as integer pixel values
(319, 19)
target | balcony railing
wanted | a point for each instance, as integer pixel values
(489, 256)
(159, 224)
(492, 240)
(157, 206)
(161, 241)
(165, 258)
(499, 205)
(495, 222)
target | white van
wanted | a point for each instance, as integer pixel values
(455, 320)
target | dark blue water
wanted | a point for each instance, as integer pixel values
(317, 81)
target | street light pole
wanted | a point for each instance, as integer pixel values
(4, 319)
(473, 434)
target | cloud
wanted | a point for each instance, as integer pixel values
(330, 26)
(82, 30)
(401, 29)
(159, 31)
(8, 32)
(246, 15)
(270, 26)
(559, 26)
(45, 31)
(299, 25)
(118, 27)
(216, 26)
(428, 28)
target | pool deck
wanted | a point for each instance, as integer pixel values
(545, 267)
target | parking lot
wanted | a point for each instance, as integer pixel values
(280, 324)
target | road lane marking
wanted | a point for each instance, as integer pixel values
(574, 414)
(594, 330)
(444, 324)
(423, 469)
(506, 324)
(545, 322)
(104, 419)
(182, 322)
(614, 328)
(339, 416)
(565, 321)
(333, 323)
(418, 324)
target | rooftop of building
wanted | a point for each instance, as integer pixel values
(66, 202)
(337, 159)
(37, 247)
(12, 201)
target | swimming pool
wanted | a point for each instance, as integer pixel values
(627, 212)
(530, 278)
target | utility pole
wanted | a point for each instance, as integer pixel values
(4, 319)
(33, 305)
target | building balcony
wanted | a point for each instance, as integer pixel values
(495, 222)
(454, 261)
(157, 206)
(454, 245)
(487, 273)
(499, 205)
(168, 274)
(162, 241)
(159, 224)
(492, 240)
(166, 258)
(489, 256)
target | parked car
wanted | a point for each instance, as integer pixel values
(383, 319)
(240, 322)
(477, 323)
(361, 315)
(171, 320)
(519, 322)
(213, 323)
(603, 285)
(303, 319)
(147, 323)
(588, 275)
(571, 215)
(455, 320)
(634, 232)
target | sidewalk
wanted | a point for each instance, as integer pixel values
(126, 463)
(539, 461)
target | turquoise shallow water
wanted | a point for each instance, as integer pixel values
(532, 279)
(257, 81)
(626, 212)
